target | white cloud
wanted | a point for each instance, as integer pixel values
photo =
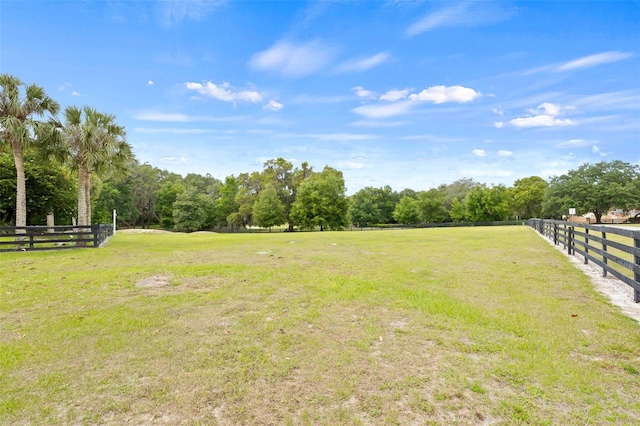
(545, 115)
(583, 62)
(174, 160)
(273, 105)
(443, 94)
(573, 143)
(498, 124)
(479, 152)
(383, 110)
(398, 102)
(550, 109)
(593, 60)
(595, 149)
(224, 92)
(497, 111)
(293, 60)
(541, 121)
(364, 64)
(361, 92)
(150, 83)
(394, 95)
(74, 93)
(469, 14)
(505, 153)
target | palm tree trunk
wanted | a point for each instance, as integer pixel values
(88, 198)
(21, 190)
(82, 196)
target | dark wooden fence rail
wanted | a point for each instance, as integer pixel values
(29, 238)
(603, 245)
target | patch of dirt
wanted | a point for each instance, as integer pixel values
(142, 231)
(154, 281)
(619, 293)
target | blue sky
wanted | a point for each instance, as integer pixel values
(411, 94)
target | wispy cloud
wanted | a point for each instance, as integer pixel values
(593, 60)
(573, 143)
(330, 137)
(363, 64)
(171, 130)
(466, 14)
(479, 152)
(173, 12)
(583, 62)
(180, 118)
(378, 123)
(395, 95)
(174, 160)
(273, 105)
(293, 60)
(384, 110)
(361, 92)
(224, 92)
(504, 153)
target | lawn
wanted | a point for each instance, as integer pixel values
(433, 326)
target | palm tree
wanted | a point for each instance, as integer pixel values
(93, 143)
(19, 129)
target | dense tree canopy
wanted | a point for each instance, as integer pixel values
(594, 188)
(406, 211)
(487, 204)
(321, 201)
(527, 196)
(269, 210)
(430, 206)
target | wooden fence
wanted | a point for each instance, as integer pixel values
(30, 238)
(615, 249)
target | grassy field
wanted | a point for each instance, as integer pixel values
(437, 326)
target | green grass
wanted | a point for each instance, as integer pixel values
(436, 326)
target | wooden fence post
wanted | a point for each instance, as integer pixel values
(586, 245)
(570, 240)
(636, 243)
(555, 234)
(604, 252)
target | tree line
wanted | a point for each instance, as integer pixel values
(80, 166)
